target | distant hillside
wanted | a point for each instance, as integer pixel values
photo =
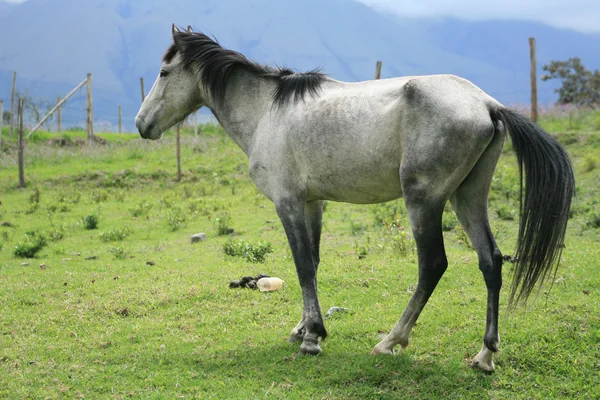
(54, 43)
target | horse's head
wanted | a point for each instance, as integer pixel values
(176, 93)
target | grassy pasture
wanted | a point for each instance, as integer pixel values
(132, 309)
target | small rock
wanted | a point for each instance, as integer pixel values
(92, 258)
(66, 259)
(78, 254)
(334, 310)
(7, 224)
(586, 292)
(198, 237)
(150, 263)
(24, 264)
(43, 266)
(178, 260)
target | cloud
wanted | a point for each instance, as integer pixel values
(581, 15)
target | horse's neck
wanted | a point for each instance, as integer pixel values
(247, 98)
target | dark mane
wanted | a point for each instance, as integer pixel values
(217, 64)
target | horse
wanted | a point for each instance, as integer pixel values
(310, 138)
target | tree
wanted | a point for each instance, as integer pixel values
(34, 108)
(580, 86)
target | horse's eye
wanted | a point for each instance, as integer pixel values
(163, 74)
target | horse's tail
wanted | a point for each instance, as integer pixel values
(544, 203)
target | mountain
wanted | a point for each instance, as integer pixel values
(52, 44)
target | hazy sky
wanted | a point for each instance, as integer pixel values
(581, 15)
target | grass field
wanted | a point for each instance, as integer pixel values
(132, 309)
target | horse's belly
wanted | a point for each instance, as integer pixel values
(355, 187)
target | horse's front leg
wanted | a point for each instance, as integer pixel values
(296, 217)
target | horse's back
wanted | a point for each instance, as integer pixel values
(347, 144)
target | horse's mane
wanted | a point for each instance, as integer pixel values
(216, 65)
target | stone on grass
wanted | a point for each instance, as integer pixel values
(198, 237)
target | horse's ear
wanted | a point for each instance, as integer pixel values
(174, 30)
(189, 29)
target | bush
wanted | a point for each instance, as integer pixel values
(91, 221)
(253, 253)
(30, 246)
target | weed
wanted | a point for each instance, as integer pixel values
(175, 218)
(357, 228)
(449, 221)
(223, 224)
(34, 197)
(91, 221)
(140, 208)
(506, 212)
(115, 234)
(30, 246)
(254, 253)
(402, 243)
(589, 163)
(119, 252)
(56, 234)
(389, 214)
(99, 196)
(592, 219)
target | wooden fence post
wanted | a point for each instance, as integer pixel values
(90, 111)
(21, 144)
(1, 120)
(178, 152)
(534, 102)
(120, 119)
(378, 70)
(12, 104)
(142, 88)
(59, 115)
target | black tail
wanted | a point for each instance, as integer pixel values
(544, 204)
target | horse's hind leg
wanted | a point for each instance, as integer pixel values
(425, 214)
(470, 204)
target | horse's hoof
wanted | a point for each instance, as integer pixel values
(295, 338)
(377, 350)
(484, 360)
(310, 348)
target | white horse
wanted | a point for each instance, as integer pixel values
(429, 139)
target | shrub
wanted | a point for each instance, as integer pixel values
(30, 246)
(254, 253)
(91, 221)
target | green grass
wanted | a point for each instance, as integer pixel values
(147, 314)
